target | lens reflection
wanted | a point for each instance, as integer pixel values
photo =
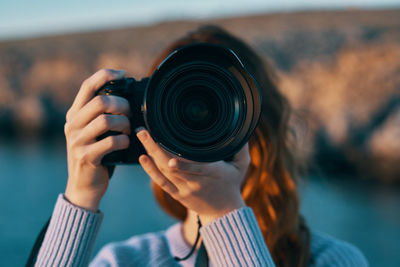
(198, 108)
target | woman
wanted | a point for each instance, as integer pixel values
(248, 208)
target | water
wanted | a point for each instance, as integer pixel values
(33, 175)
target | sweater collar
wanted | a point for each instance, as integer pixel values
(177, 244)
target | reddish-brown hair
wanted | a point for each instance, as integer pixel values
(269, 187)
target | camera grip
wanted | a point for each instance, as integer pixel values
(133, 91)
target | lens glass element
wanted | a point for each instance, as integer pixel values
(198, 108)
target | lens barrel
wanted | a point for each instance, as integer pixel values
(200, 104)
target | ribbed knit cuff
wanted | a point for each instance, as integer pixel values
(236, 240)
(70, 238)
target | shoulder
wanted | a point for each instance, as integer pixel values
(329, 251)
(143, 250)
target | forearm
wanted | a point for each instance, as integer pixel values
(70, 238)
(236, 240)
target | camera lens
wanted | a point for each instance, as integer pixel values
(201, 103)
(198, 105)
(197, 109)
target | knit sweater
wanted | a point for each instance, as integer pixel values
(232, 240)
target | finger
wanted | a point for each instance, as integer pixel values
(152, 148)
(99, 105)
(159, 156)
(193, 167)
(104, 123)
(151, 169)
(109, 144)
(90, 86)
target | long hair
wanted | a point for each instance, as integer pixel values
(269, 187)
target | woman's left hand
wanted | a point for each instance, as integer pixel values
(209, 189)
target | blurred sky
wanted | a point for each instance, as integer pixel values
(27, 18)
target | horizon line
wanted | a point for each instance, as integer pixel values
(78, 29)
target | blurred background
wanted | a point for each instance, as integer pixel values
(338, 62)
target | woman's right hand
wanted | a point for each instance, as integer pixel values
(89, 117)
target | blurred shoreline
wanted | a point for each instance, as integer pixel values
(213, 16)
(339, 69)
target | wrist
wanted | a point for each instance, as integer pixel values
(208, 217)
(84, 201)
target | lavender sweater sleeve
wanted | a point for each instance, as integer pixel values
(70, 237)
(236, 240)
(232, 240)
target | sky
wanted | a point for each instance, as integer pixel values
(27, 18)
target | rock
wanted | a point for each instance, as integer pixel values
(339, 69)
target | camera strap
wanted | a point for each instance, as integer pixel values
(202, 257)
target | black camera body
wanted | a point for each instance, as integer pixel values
(133, 91)
(200, 104)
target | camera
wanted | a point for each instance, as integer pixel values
(200, 104)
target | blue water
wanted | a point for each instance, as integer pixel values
(33, 175)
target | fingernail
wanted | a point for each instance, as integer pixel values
(138, 129)
(118, 72)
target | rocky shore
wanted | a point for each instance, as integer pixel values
(339, 69)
